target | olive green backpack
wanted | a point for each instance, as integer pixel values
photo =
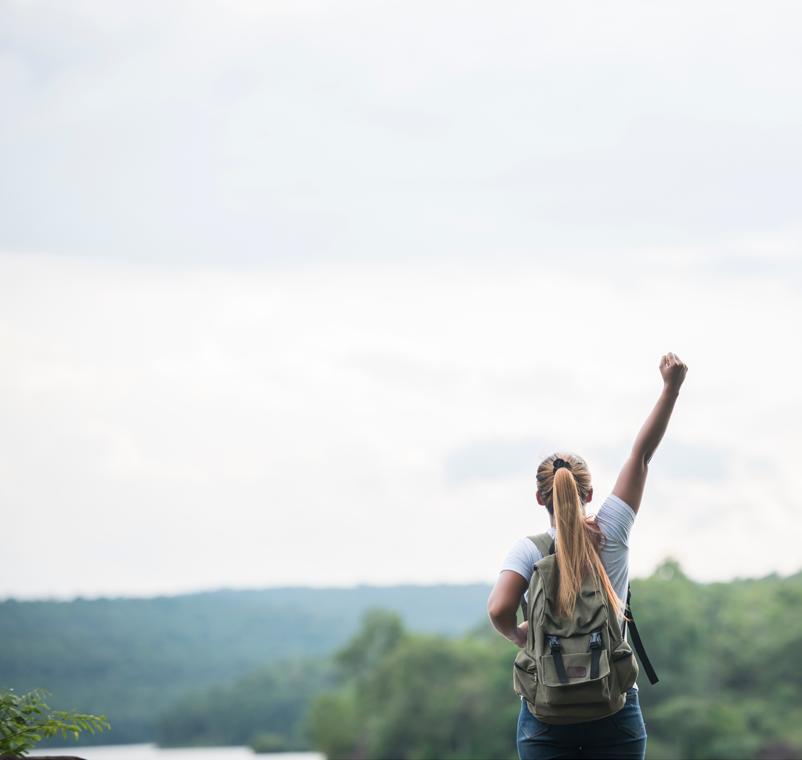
(577, 669)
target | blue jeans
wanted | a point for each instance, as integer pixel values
(619, 736)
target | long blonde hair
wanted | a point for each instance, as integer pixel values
(565, 492)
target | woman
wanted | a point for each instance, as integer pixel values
(598, 545)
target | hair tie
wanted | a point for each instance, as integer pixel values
(558, 463)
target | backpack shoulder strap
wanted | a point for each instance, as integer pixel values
(637, 643)
(545, 545)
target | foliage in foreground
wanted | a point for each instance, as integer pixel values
(728, 656)
(413, 696)
(25, 719)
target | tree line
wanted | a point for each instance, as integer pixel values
(728, 656)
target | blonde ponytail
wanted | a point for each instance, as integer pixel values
(578, 536)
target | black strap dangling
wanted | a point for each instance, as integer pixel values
(638, 644)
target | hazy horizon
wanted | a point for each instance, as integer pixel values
(212, 590)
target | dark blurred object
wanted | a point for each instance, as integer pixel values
(778, 751)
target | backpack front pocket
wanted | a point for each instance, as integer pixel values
(573, 679)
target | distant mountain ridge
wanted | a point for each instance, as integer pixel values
(131, 658)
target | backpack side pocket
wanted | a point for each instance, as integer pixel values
(625, 666)
(524, 675)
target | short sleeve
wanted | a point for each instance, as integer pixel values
(521, 558)
(615, 518)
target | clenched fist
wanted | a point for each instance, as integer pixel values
(673, 371)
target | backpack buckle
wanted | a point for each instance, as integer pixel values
(595, 648)
(556, 649)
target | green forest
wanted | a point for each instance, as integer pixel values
(405, 672)
(133, 659)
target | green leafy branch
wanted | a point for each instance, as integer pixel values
(26, 719)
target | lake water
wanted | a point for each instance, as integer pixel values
(152, 752)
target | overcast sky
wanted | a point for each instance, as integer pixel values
(302, 292)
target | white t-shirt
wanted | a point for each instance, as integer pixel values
(615, 519)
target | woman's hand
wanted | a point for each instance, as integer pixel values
(673, 371)
(520, 633)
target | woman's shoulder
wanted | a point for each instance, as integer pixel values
(615, 519)
(522, 557)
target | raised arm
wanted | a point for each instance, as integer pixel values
(632, 479)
